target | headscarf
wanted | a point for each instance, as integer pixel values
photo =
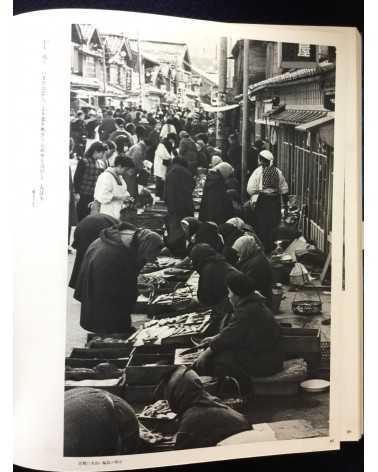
(225, 169)
(208, 233)
(237, 222)
(98, 423)
(192, 223)
(246, 247)
(215, 160)
(149, 245)
(184, 389)
(230, 233)
(203, 253)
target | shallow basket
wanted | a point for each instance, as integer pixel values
(306, 307)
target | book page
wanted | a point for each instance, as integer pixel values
(302, 99)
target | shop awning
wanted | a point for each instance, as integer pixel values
(318, 122)
(212, 109)
(297, 117)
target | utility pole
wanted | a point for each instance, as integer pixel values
(245, 120)
(222, 87)
(104, 65)
(141, 82)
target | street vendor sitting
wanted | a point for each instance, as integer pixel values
(204, 420)
(107, 282)
(213, 270)
(249, 344)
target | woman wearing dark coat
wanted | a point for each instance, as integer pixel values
(216, 204)
(250, 343)
(253, 263)
(107, 282)
(188, 151)
(87, 231)
(204, 420)
(179, 186)
(213, 270)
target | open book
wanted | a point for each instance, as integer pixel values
(124, 362)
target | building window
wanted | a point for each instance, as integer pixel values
(119, 75)
(90, 67)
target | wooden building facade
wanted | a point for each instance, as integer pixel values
(294, 113)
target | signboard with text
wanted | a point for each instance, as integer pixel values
(294, 55)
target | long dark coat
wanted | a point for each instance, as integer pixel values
(259, 270)
(216, 205)
(107, 284)
(251, 340)
(86, 232)
(179, 186)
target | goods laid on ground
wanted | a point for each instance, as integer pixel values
(170, 330)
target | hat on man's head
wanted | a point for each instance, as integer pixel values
(92, 113)
(239, 284)
(266, 155)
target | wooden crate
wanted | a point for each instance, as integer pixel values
(138, 373)
(302, 343)
(90, 363)
(110, 385)
(102, 353)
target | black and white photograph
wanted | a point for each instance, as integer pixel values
(199, 241)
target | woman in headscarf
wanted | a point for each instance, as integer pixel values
(213, 270)
(249, 345)
(107, 282)
(215, 160)
(246, 229)
(267, 186)
(98, 423)
(216, 204)
(253, 263)
(204, 420)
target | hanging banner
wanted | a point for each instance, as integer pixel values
(212, 109)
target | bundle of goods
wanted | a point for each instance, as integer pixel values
(170, 330)
(159, 416)
(159, 409)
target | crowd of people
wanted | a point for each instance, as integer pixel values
(228, 243)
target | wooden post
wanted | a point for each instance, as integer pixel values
(245, 120)
(141, 82)
(222, 87)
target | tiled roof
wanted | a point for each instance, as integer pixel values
(86, 31)
(292, 76)
(297, 117)
(114, 43)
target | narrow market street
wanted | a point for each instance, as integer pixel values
(199, 281)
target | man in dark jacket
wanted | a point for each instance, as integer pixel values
(216, 204)
(107, 126)
(250, 343)
(179, 186)
(188, 151)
